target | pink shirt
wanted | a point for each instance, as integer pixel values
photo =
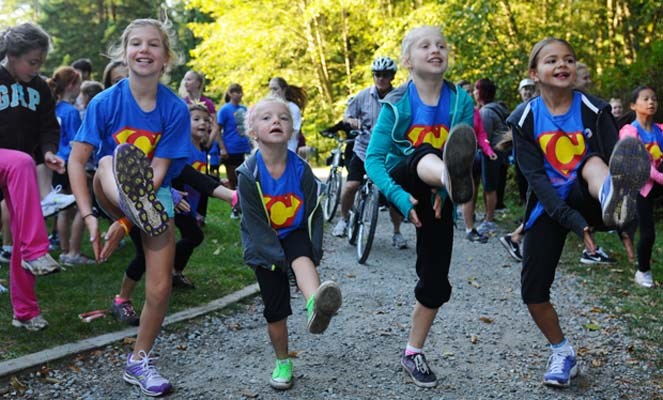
(655, 176)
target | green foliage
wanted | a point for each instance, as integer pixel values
(326, 46)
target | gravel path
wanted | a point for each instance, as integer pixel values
(483, 344)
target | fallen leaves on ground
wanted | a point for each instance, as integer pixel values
(486, 320)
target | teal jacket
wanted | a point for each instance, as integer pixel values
(388, 145)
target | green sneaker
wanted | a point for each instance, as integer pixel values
(282, 375)
(322, 306)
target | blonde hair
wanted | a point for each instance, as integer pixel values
(182, 90)
(412, 36)
(252, 113)
(118, 51)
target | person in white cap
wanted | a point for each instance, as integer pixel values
(526, 89)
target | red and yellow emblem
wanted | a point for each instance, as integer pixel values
(282, 209)
(654, 150)
(563, 150)
(199, 166)
(144, 140)
(436, 135)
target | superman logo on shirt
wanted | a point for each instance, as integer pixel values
(564, 151)
(282, 209)
(199, 166)
(435, 135)
(144, 140)
(654, 150)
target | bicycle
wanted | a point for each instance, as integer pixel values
(363, 219)
(334, 184)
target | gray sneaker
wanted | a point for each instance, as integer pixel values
(487, 228)
(77, 259)
(35, 324)
(124, 312)
(459, 152)
(417, 368)
(43, 265)
(398, 241)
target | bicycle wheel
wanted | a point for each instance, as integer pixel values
(333, 195)
(368, 224)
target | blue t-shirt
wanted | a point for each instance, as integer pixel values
(653, 140)
(69, 119)
(430, 124)
(231, 118)
(563, 143)
(214, 153)
(283, 197)
(113, 117)
(198, 160)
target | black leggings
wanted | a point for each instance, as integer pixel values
(647, 227)
(434, 238)
(192, 237)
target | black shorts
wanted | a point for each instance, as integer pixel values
(234, 160)
(356, 170)
(490, 171)
(62, 180)
(544, 242)
(274, 285)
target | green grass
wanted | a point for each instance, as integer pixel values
(216, 268)
(640, 308)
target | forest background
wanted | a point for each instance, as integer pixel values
(326, 46)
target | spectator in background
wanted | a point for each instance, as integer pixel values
(84, 67)
(114, 72)
(89, 89)
(617, 107)
(526, 89)
(296, 98)
(583, 77)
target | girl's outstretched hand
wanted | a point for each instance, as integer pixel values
(437, 204)
(412, 216)
(92, 224)
(112, 240)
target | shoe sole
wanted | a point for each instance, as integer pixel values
(133, 176)
(509, 250)
(327, 302)
(133, 381)
(629, 169)
(575, 371)
(281, 385)
(416, 382)
(459, 152)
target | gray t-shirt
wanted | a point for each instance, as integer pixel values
(366, 107)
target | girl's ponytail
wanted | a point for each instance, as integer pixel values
(61, 79)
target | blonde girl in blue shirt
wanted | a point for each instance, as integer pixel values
(420, 156)
(135, 118)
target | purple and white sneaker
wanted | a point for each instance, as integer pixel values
(145, 375)
(138, 201)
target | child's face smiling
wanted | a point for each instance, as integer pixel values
(429, 55)
(146, 54)
(200, 125)
(555, 67)
(272, 123)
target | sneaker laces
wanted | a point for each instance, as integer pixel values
(420, 364)
(147, 365)
(556, 363)
(54, 191)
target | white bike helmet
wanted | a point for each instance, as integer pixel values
(383, 64)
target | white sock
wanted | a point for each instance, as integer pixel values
(468, 230)
(562, 348)
(411, 350)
